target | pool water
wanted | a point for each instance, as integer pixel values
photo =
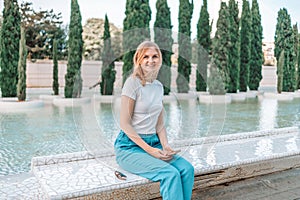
(54, 130)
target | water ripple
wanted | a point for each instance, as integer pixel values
(54, 130)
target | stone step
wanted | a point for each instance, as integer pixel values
(216, 160)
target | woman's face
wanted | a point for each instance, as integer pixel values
(150, 61)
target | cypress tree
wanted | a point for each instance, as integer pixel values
(245, 46)
(284, 42)
(298, 61)
(203, 47)
(9, 55)
(296, 58)
(108, 72)
(55, 84)
(21, 88)
(135, 31)
(221, 43)
(73, 78)
(233, 54)
(280, 72)
(256, 62)
(163, 38)
(184, 45)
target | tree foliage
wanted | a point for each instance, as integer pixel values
(284, 41)
(21, 88)
(184, 45)
(135, 31)
(73, 80)
(233, 53)
(163, 38)
(108, 73)
(280, 72)
(55, 84)
(42, 27)
(221, 43)
(1, 22)
(298, 61)
(215, 81)
(296, 51)
(245, 46)
(256, 62)
(93, 29)
(203, 48)
(9, 55)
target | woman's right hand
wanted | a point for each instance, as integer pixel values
(160, 154)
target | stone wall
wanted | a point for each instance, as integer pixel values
(39, 74)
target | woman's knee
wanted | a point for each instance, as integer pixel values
(187, 170)
(185, 166)
(171, 172)
(190, 168)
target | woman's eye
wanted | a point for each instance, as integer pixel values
(155, 56)
(145, 57)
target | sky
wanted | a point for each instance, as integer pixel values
(115, 10)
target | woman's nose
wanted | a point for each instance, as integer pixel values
(150, 59)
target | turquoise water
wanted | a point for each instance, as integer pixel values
(54, 130)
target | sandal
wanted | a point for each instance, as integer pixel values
(120, 175)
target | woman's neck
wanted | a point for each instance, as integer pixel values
(150, 77)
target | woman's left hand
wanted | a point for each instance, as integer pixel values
(169, 151)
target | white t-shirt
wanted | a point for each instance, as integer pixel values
(148, 103)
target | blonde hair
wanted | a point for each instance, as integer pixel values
(138, 57)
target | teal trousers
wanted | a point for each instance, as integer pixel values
(176, 176)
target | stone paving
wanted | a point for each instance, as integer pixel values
(217, 160)
(282, 185)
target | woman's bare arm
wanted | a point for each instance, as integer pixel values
(162, 134)
(161, 130)
(127, 107)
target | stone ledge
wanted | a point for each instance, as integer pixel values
(214, 99)
(185, 96)
(236, 136)
(13, 105)
(21, 186)
(279, 97)
(251, 94)
(105, 98)
(69, 102)
(228, 159)
(296, 94)
(238, 97)
(247, 169)
(49, 98)
(169, 98)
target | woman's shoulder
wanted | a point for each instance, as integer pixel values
(158, 83)
(132, 81)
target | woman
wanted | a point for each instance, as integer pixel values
(142, 146)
